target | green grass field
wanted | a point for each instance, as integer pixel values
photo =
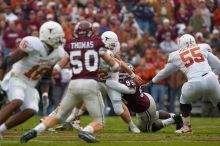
(206, 132)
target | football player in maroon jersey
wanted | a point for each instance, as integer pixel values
(144, 106)
(84, 54)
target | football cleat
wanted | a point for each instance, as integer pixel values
(178, 121)
(134, 129)
(64, 126)
(86, 136)
(184, 129)
(27, 136)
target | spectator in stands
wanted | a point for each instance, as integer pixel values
(182, 16)
(143, 13)
(33, 22)
(196, 21)
(166, 27)
(215, 37)
(206, 14)
(10, 36)
(168, 45)
(103, 26)
(164, 8)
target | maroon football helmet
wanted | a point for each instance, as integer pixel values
(83, 28)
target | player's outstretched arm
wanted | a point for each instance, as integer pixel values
(10, 60)
(128, 70)
(120, 87)
(164, 73)
(214, 62)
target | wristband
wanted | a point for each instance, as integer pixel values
(57, 67)
(132, 75)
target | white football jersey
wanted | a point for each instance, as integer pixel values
(106, 67)
(192, 61)
(38, 61)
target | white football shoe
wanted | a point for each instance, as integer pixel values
(184, 129)
(134, 129)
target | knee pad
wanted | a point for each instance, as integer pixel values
(156, 126)
(118, 108)
(185, 107)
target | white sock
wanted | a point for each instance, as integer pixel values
(131, 124)
(157, 114)
(3, 128)
(167, 122)
(73, 115)
(40, 128)
(186, 120)
(52, 113)
(89, 129)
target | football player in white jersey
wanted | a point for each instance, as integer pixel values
(110, 39)
(200, 66)
(34, 57)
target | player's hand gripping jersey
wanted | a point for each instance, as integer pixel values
(39, 61)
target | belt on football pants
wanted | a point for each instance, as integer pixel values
(204, 74)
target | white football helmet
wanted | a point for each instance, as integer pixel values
(110, 39)
(52, 34)
(186, 41)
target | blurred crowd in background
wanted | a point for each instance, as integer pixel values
(147, 30)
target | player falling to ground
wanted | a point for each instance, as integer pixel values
(197, 62)
(34, 57)
(144, 106)
(110, 39)
(84, 53)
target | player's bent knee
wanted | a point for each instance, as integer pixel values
(185, 107)
(118, 109)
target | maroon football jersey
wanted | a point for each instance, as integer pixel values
(137, 102)
(84, 56)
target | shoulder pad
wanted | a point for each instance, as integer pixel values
(30, 43)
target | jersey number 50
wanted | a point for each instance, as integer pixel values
(78, 64)
(195, 57)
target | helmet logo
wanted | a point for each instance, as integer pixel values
(106, 38)
(50, 30)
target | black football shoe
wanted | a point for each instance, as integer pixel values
(86, 136)
(27, 136)
(178, 121)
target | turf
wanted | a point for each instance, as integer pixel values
(206, 132)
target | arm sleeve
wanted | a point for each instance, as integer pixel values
(164, 73)
(214, 62)
(120, 87)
